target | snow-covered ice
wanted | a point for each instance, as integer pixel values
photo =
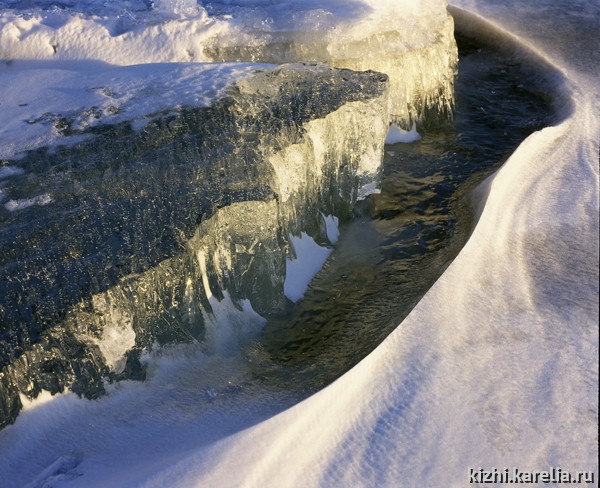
(35, 96)
(396, 135)
(392, 37)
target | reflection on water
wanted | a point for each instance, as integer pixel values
(401, 240)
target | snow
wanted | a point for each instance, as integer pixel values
(332, 228)
(396, 135)
(34, 97)
(13, 205)
(299, 271)
(497, 366)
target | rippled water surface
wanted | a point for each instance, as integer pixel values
(401, 240)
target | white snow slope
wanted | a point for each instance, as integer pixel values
(497, 366)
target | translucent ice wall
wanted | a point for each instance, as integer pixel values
(409, 40)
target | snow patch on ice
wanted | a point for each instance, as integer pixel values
(39, 102)
(300, 271)
(396, 135)
(20, 204)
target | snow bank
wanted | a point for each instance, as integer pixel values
(497, 366)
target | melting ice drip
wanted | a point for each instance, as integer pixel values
(157, 220)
